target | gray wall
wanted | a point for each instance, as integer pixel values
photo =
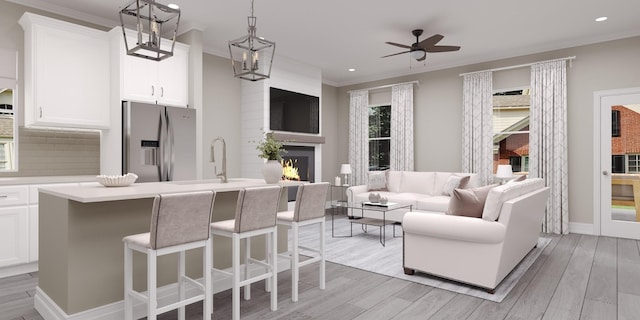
(438, 109)
(221, 112)
(330, 129)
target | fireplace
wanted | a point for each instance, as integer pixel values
(298, 164)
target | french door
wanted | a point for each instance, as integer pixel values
(617, 176)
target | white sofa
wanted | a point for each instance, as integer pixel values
(423, 190)
(477, 251)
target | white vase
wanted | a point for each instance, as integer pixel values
(272, 171)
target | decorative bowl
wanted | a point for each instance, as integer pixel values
(117, 181)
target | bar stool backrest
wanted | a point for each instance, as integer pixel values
(179, 218)
(257, 208)
(310, 201)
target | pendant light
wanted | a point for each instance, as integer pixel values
(151, 21)
(251, 56)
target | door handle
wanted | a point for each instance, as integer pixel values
(605, 173)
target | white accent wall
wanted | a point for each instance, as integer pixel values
(286, 74)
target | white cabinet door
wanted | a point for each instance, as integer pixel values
(173, 78)
(67, 74)
(14, 236)
(139, 77)
(33, 233)
(163, 82)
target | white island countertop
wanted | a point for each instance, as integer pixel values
(96, 192)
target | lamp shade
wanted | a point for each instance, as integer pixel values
(345, 169)
(504, 171)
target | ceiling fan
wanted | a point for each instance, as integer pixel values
(419, 49)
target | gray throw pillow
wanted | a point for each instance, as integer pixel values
(454, 182)
(468, 202)
(377, 181)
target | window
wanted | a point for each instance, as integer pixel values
(633, 163)
(617, 164)
(511, 129)
(379, 137)
(615, 123)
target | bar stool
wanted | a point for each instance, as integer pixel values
(255, 215)
(179, 222)
(309, 209)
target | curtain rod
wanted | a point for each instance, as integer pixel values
(520, 65)
(387, 86)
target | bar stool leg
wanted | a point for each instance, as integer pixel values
(247, 256)
(235, 292)
(128, 283)
(274, 269)
(267, 249)
(181, 293)
(152, 304)
(208, 285)
(295, 257)
(322, 260)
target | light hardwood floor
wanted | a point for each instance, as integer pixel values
(576, 277)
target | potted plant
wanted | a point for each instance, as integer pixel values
(271, 150)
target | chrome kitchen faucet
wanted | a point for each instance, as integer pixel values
(223, 174)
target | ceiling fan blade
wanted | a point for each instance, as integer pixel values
(399, 45)
(431, 41)
(395, 54)
(442, 48)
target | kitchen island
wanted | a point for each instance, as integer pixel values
(81, 251)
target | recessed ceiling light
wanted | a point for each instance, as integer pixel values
(173, 6)
(601, 19)
(352, 69)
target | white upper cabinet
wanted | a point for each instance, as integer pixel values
(67, 74)
(163, 82)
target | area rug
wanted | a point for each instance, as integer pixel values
(364, 251)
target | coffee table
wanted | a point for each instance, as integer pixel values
(366, 221)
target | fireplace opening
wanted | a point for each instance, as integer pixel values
(298, 164)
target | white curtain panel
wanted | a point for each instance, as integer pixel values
(359, 136)
(401, 157)
(548, 140)
(477, 125)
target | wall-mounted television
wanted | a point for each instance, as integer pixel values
(293, 112)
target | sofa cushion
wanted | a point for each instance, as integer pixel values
(498, 195)
(454, 182)
(418, 182)
(432, 203)
(468, 202)
(394, 179)
(377, 181)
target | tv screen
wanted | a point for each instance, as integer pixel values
(293, 112)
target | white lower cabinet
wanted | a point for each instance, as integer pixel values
(14, 225)
(14, 236)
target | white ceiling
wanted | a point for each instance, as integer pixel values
(336, 35)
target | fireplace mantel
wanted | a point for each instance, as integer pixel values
(290, 138)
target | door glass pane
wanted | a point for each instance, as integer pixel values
(511, 129)
(625, 162)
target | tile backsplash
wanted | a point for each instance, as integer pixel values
(52, 152)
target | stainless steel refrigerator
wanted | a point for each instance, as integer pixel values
(158, 142)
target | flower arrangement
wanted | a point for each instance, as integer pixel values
(270, 148)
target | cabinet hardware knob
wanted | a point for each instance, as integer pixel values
(153, 90)
(605, 173)
(40, 116)
(4, 196)
(161, 91)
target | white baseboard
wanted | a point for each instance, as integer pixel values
(49, 310)
(18, 269)
(582, 228)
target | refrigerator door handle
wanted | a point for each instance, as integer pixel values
(170, 155)
(163, 147)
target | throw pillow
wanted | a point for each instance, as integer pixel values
(454, 182)
(468, 202)
(377, 181)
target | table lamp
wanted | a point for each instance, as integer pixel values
(504, 172)
(346, 170)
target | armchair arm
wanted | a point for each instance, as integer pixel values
(453, 227)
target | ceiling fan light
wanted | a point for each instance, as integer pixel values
(417, 54)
